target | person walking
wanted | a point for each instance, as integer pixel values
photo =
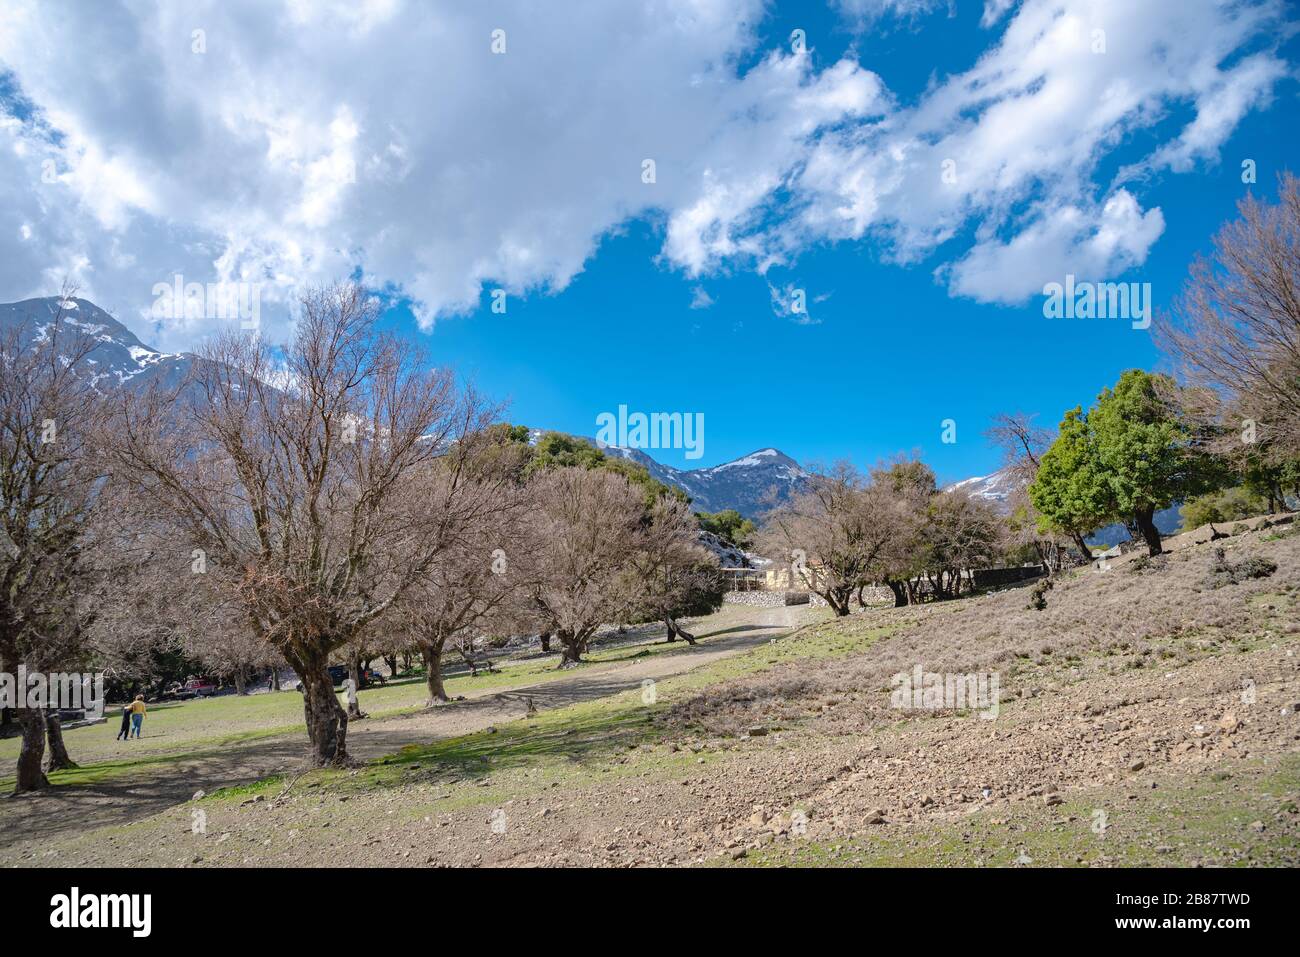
(137, 714)
(125, 731)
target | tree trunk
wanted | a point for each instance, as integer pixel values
(275, 678)
(900, 593)
(675, 630)
(839, 604)
(59, 760)
(327, 722)
(433, 673)
(1079, 543)
(30, 776)
(545, 638)
(1044, 558)
(241, 684)
(571, 648)
(392, 665)
(1146, 524)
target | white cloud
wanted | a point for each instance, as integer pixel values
(1086, 243)
(1226, 97)
(311, 139)
(700, 298)
(1026, 127)
(866, 12)
(995, 10)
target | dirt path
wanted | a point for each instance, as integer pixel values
(32, 818)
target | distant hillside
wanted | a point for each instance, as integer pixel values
(745, 484)
(996, 489)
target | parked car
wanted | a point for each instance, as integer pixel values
(369, 676)
(199, 688)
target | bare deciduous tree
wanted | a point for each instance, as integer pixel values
(299, 477)
(1022, 445)
(587, 528)
(480, 506)
(1235, 330)
(675, 574)
(50, 416)
(959, 533)
(834, 535)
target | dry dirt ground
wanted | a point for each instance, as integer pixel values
(1149, 714)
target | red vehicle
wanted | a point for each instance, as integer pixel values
(199, 688)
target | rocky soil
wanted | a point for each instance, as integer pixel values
(1146, 715)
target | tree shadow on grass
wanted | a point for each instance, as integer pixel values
(586, 740)
(108, 793)
(113, 793)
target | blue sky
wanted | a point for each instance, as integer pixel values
(233, 149)
(892, 354)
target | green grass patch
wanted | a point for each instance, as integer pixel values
(619, 734)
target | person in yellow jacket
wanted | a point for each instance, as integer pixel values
(137, 714)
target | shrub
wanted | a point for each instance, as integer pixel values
(1223, 572)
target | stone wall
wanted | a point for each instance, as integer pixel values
(996, 577)
(874, 597)
(766, 599)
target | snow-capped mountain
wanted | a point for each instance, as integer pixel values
(751, 484)
(117, 358)
(997, 489)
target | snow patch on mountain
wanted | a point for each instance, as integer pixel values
(750, 484)
(997, 489)
(729, 556)
(117, 356)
